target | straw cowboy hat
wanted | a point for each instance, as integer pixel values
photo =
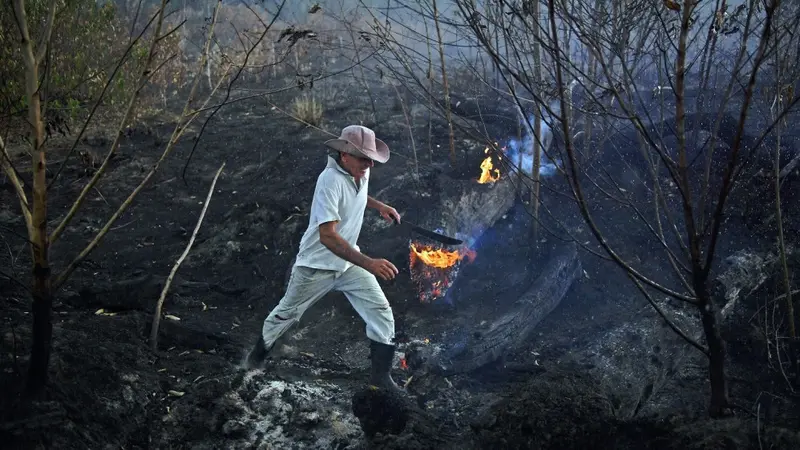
(360, 141)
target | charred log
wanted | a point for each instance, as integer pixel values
(485, 344)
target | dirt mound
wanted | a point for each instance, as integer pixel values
(732, 433)
(552, 411)
(395, 421)
(568, 411)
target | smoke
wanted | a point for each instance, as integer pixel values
(523, 150)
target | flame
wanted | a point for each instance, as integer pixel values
(403, 364)
(488, 173)
(434, 269)
(439, 258)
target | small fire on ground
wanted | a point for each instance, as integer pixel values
(489, 174)
(434, 269)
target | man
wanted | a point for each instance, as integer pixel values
(330, 259)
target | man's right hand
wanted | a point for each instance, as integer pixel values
(381, 268)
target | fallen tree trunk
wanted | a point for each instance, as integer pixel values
(484, 344)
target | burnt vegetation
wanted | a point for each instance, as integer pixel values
(621, 174)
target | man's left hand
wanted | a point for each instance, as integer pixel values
(389, 213)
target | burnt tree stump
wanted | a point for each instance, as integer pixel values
(484, 344)
(465, 210)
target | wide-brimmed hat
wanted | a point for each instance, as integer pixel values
(360, 141)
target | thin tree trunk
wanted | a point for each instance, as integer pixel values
(781, 241)
(716, 349)
(361, 68)
(588, 124)
(429, 76)
(445, 85)
(705, 76)
(720, 402)
(410, 130)
(794, 355)
(41, 291)
(537, 124)
(522, 122)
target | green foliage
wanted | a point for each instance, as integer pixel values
(87, 43)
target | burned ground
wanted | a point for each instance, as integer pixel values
(599, 371)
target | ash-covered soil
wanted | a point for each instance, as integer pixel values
(601, 371)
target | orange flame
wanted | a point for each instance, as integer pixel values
(488, 173)
(439, 258)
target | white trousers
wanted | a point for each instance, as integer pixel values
(307, 286)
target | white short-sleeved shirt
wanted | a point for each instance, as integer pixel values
(337, 196)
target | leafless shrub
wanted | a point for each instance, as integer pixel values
(307, 109)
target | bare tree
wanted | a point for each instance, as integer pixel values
(693, 251)
(785, 76)
(34, 208)
(680, 76)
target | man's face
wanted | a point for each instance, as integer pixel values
(355, 165)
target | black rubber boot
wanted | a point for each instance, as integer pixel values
(382, 356)
(258, 354)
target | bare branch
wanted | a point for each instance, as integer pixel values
(100, 98)
(576, 186)
(177, 132)
(664, 316)
(11, 173)
(174, 270)
(48, 32)
(230, 86)
(733, 161)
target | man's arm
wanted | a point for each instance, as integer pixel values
(374, 204)
(386, 211)
(341, 248)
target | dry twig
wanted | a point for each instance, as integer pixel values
(445, 84)
(160, 305)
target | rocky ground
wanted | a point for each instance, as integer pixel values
(600, 371)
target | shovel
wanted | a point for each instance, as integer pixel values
(438, 237)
